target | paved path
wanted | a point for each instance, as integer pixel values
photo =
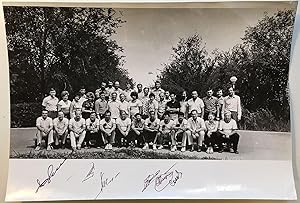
(259, 145)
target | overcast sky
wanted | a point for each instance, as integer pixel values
(149, 34)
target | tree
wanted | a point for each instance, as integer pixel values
(63, 48)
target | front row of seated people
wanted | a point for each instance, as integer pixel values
(209, 135)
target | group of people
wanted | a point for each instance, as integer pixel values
(145, 117)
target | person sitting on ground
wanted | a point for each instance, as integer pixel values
(195, 130)
(166, 132)
(211, 137)
(89, 105)
(137, 128)
(108, 127)
(228, 129)
(122, 132)
(45, 130)
(151, 129)
(180, 127)
(77, 129)
(92, 131)
(60, 125)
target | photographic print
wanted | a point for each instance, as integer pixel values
(204, 84)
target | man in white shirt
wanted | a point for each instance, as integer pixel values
(77, 129)
(227, 129)
(118, 90)
(157, 90)
(92, 130)
(108, 127)
(110, 89)
(50, 104)
(114, 106)
(195, 130)
(180, 127)
(45, 130)
(166, 132)
(60, 125)
(124, 105)
(151, 129)
(195, 103)
(232, 103)
(122, 132)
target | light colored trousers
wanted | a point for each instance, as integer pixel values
(192, 136)
(63, 137)
(74, 136)
(40, 135)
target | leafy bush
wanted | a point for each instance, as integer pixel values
(113, 154)
(264, 120)
(24, 114)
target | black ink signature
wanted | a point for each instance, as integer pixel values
(91, 173)
(161, 181)
(104, 182)
(51, 173)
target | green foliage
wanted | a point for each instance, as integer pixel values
(25, 114)
(260, 62)
(63, 48)
(114, 154)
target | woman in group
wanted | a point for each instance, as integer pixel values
(183, 103)
(75, 105)
(89, 105)
(135, 105)
(64, 104)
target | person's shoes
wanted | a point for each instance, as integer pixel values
(173, 149)
(86, 147)
(106, 147)
(211, 151)
(231, 150)
(160, 147)
(38, 148)
(154, 147)
(208, 151)
(49, 148)
(199, 149)
(146, 147)
(236, 151)
(74, 149)
(98, 147)
(79, 147)
(183, 149)
(192, 149)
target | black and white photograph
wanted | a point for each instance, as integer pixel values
(150, 83)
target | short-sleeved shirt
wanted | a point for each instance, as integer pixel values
(152, 124)
(162, 105)
(152, 105)
(77, 125)
(101, 106)
(127, 93)
(183, 124)
(92, 124)
(114, 108)
(144, 101)
(157, 92)
(195, 125)
(166, 126)
(123, 123)
(60, 124)
(228, 127)
(183, 107)
(124, 106)
(118, 91)
(44, 123)
(140, 95)
(134, 107)
(210, 104)
(195, 105)
(107, 124)
(50, 103)
(65, 106)
(211, 126)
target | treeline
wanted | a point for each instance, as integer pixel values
(260, 62)
(64, 48)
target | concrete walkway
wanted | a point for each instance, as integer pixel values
(254, 145)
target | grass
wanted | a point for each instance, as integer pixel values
(114, 154)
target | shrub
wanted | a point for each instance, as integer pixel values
(264, 120)
(24, 114)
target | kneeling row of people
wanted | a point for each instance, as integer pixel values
(208, 135)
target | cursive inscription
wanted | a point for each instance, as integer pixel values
(104, 182)
(50, 174)
(162, 180)
(90, 174)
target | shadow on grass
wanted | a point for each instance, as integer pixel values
(114, 154)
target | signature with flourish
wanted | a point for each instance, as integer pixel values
(162, 179)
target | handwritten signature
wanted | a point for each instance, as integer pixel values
(90, 174)
(51, 173)
(162, 180)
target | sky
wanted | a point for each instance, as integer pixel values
(148, 35)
